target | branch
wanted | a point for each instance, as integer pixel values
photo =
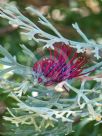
(31, 30)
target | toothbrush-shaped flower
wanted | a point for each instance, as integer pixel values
(62, 63)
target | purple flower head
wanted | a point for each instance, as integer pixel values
(60, 64)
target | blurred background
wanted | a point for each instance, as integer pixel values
(62, 14)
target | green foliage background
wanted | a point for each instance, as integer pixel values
(87, 13)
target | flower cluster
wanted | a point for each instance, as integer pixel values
(62, 63)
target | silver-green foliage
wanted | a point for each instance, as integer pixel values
(49, 107)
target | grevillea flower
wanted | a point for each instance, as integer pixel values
(60, 64)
